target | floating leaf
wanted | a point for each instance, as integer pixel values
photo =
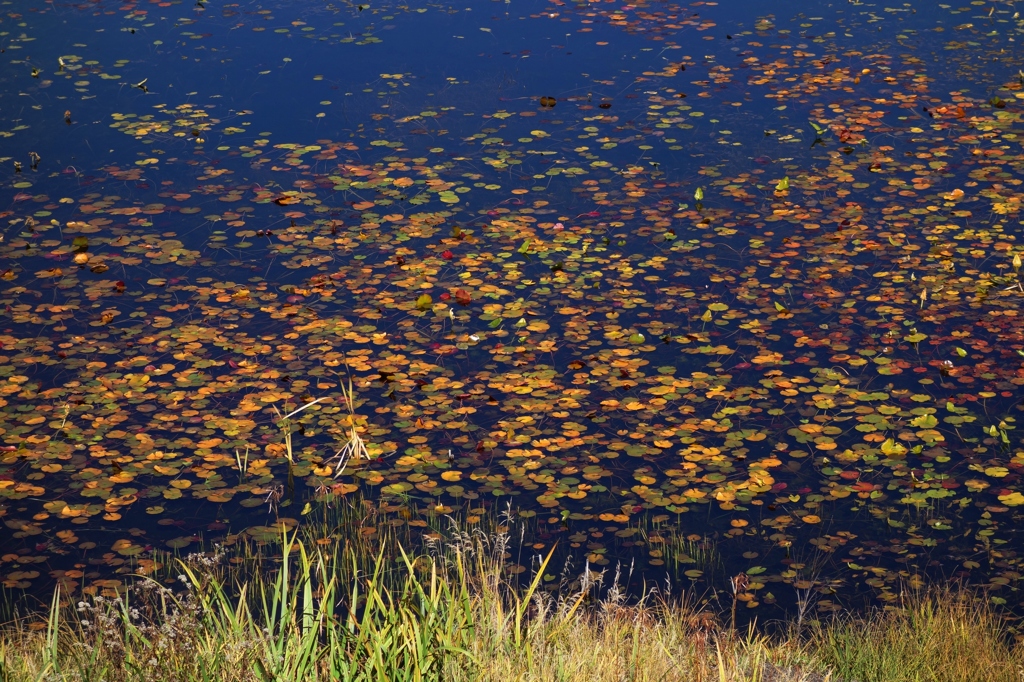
(891, 448)
(925, 421)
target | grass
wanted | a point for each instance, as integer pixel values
(354, 610)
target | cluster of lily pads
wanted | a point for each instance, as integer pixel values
(808, 352)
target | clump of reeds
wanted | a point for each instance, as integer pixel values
(354, 610)
(354, 448)
(284, 423)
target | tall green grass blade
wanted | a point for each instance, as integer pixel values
(523, 602)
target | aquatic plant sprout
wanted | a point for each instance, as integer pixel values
(354, 447)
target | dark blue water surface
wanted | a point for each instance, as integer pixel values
(692, 288)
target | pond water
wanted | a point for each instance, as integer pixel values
(697, 288)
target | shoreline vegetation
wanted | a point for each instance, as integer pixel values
(334, 606)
